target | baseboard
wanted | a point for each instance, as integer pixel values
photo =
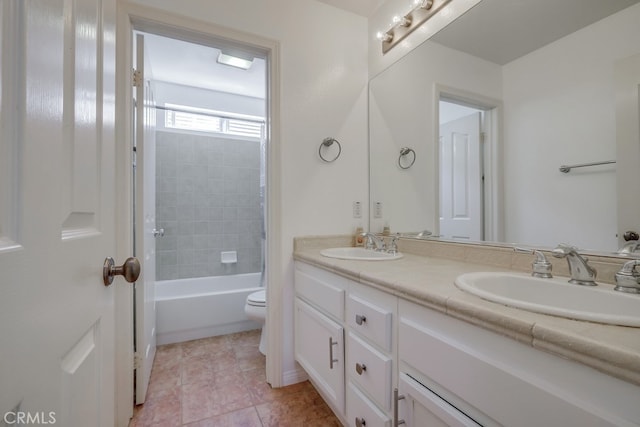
(210, 331)
(294, 376)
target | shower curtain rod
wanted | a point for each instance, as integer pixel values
(203, 113)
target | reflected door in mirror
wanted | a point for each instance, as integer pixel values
(461, 179)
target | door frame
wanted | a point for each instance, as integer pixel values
(135, 17)
(492, 153)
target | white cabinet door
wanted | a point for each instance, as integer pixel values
(57, 212)
(319, 348)
(421, 407)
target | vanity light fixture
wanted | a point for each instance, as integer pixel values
(405, 25)
(234, 61)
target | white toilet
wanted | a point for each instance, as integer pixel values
(256, 309)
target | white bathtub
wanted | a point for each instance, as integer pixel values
(188, 309)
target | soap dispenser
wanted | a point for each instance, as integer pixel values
(358, 240)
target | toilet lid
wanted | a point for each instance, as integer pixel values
(257, 298)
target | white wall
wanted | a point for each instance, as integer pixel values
(567, 87)
(323, 53)
(172, 93)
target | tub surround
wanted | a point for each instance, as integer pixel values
(425, 275)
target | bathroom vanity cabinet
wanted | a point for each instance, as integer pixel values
(396, 358)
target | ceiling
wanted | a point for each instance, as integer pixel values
(481, 31)
(191, 64)
(359, 7)
(503, 30)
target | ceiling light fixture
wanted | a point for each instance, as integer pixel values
(234, 61)
(405, 25)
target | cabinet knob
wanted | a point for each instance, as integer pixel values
(360, 319)
(360, 368)
(360, 422)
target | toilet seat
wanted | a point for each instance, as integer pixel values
(257, 299)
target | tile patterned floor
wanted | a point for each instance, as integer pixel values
(220, 381)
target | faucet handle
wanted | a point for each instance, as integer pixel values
(541, 266)
(627, 278)
(393, 245)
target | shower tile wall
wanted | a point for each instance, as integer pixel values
(207, 201)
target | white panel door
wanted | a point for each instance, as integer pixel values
(145, 219)
(57, 222)
(461, 179)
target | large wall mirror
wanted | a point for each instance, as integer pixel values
(468, 131)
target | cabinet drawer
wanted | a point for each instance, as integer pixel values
(319, 291)
(370, 320)
(370, 369)
(360, 410)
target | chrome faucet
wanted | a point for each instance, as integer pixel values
(580, 271)
(628, 279)
(373, 242)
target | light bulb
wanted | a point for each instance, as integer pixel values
(426, 4)
(402, 21)
(384, 37)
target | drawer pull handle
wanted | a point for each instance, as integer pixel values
(396, 398)
(360, 422)
(360, 319)
(331, 359)
(360, 368)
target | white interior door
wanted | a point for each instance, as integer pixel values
(57, 221)
(461, 179)
(627, 76)
(145, 220)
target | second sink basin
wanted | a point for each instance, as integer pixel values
(361, 254)
(554, 296)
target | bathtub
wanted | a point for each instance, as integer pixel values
(189, 309)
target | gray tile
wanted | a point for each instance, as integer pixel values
(166, 257)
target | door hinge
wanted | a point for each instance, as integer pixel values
(483, 137)
(136, 361)
(137, 78)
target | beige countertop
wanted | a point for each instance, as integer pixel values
(421, 277)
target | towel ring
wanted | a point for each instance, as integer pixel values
(328, 142)
(403, 152)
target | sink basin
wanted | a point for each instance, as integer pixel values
(554, 296)
(360, 254)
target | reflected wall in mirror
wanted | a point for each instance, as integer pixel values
(541, 106)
